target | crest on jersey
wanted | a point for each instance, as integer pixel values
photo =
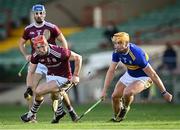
(47, 33)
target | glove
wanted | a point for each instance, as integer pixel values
(28, 94)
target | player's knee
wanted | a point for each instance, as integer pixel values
(55, 96)
(38, 92)
(115, 97)
(128, 93)
(33, 88)
(39, 98)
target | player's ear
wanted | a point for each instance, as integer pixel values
(44, 14)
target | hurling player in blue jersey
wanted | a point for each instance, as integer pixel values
(138, 77)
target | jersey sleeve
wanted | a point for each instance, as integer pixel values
(115, 57)
(65, 53)
(56, 31)
(25, 34)
(34, 59)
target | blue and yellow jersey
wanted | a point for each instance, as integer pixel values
(135, 60)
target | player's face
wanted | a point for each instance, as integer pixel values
(121, 47)
(39, 16)
(41, 49)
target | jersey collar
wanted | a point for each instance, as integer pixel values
(39, 26)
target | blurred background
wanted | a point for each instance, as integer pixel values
(88, 25)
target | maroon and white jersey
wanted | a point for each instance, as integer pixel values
(57, 61)
(32, 31)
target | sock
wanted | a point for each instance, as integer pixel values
(60, 109)
(36, 106)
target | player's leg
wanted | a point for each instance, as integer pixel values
(42, 70)
(51, 87)
(58, 108)
(128, 97)
(67, 102)
(117, 98)
(28, 95)
(31, 115)
(41, 90)
(65, 98)
(32, 82)
(55, 98)
(61, 83)
(124, 81)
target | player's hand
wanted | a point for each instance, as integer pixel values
(75, 79)
(28, 93)
(103, 94)
(28, 57)
(167, 96)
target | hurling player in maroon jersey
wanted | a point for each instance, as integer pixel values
(52, 32)
(56, 59)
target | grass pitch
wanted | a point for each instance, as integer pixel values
(141, 116)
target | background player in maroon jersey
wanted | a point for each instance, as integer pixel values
(56, 59)
(52, 32)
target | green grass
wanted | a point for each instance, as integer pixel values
(141, 116)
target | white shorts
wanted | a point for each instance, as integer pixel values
(59, 80)
(41, 69)
(126, 79)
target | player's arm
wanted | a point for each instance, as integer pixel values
(23, 49)
(31, 71)
(78, 63)
(62, 39)
(29, 92)
(156, 79)
(108, 78)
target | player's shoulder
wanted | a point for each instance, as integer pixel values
(52, 46)
(116, 54)
(138, 52)
(49, 24)
(29, 26)
(133, 45)
(136, 49)
(55, 50)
